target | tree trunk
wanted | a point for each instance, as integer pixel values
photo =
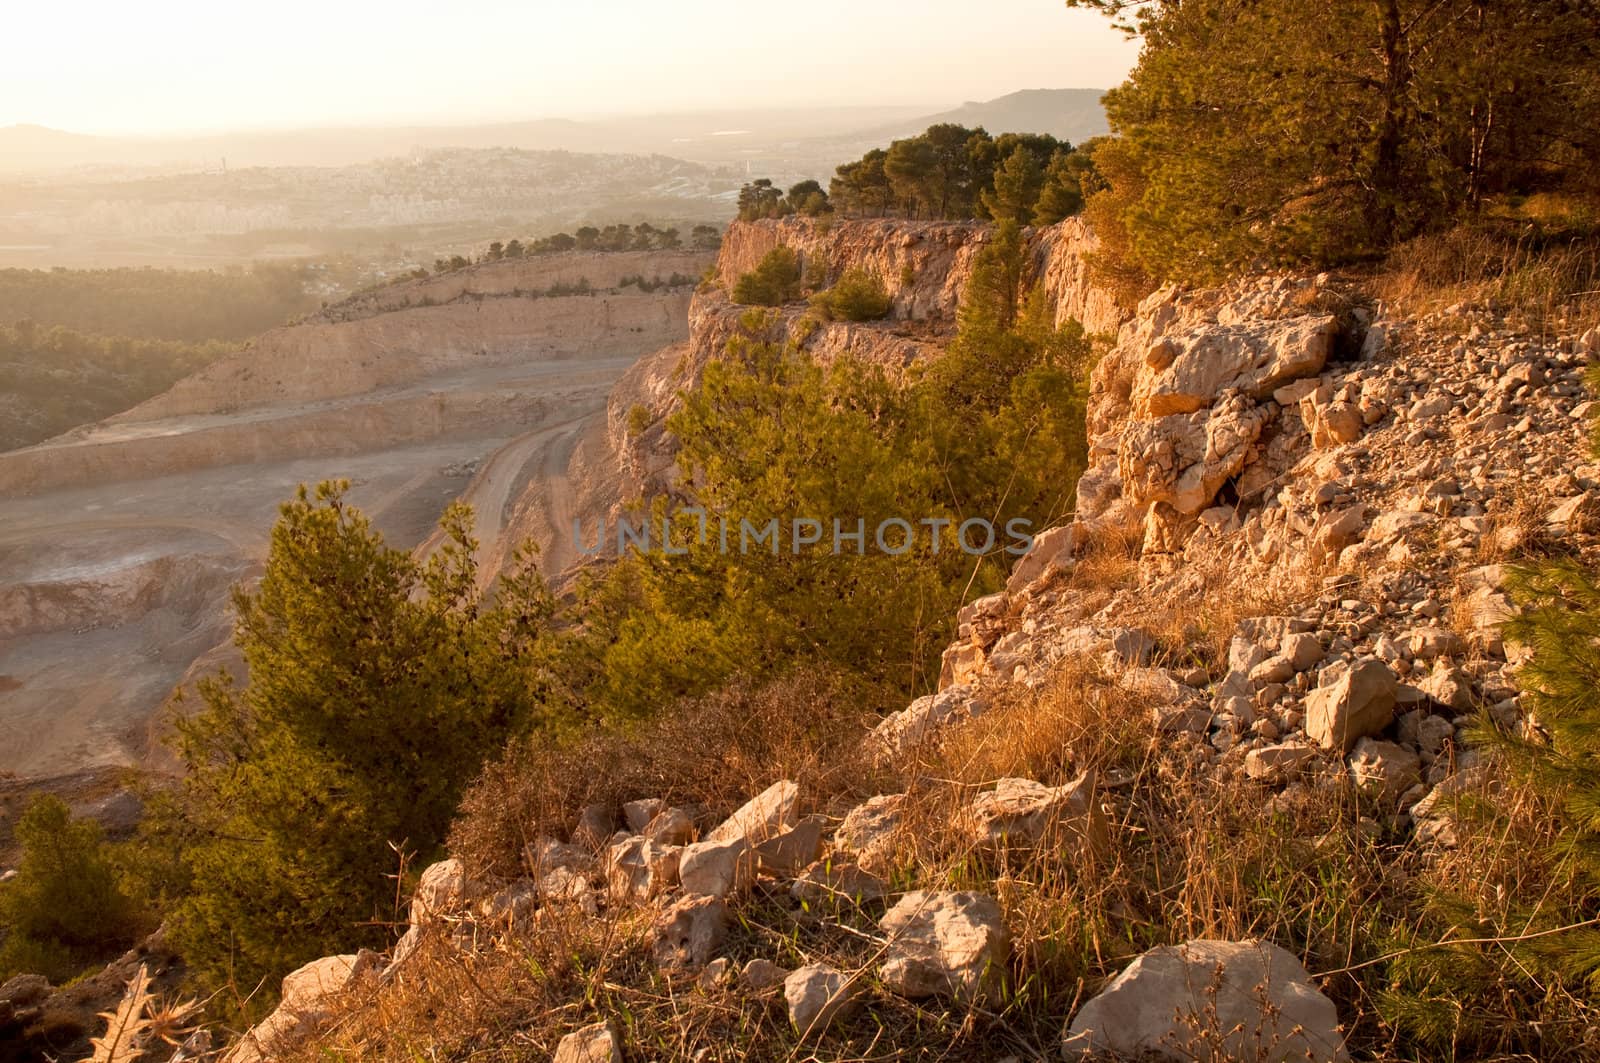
(1385, 178)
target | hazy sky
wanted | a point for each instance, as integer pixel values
(109, 66)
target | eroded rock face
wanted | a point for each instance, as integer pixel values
(1191, 399)
(1240, 1000)
(944, 944)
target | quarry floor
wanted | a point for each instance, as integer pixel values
(111, 595)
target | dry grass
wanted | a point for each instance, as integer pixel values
(1543, 271)
(1196, 850)
(708, 756)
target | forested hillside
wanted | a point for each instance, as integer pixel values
(54, 379)
(192, 306)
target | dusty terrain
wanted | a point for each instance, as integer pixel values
(119, 542)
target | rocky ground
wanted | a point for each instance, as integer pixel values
(1377, 500)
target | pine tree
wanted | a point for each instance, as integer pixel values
(1016, 189)
(377, 686)
(1061, 189)
(66, 907)
(1275, 130)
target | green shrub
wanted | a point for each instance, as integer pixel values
(66, 909)
(774, 281)
(994, 429)
(378, 685)
(858, 295)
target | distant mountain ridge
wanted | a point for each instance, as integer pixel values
(1067, 114)
(726, 136)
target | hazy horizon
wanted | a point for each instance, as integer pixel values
(180, 68)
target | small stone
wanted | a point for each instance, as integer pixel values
(836, 881)
(1428, 643)
(1021, 812)
(760, 975)
(1303, 651)
(716, 868)
(592, 1044)
(638, 814)
(818, 997)
(1384, 770)
(1272, 670)
(792, 850)
(1279, 762)
(671, 826)
(715, 974)
(687, 934)
(769, 813)
(870, 830)
(944, 944)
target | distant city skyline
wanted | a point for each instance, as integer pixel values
(182, 66)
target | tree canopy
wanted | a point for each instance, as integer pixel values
(1273, 131)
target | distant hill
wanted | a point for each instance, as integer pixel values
(1067, 114)
(782, 141)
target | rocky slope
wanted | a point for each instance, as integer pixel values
(1287, 564)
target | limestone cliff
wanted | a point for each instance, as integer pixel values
(402, 333)
(924, 265)
(475, 353)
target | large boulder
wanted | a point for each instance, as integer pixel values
(1352, 703)
(1210, 1000)
(944, 944)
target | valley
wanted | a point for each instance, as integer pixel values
(120, 541)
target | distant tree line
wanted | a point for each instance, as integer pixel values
(158, 304)
(55, 379)
(620, 237)
(948, 172)
(762, 199)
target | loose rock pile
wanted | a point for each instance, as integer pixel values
(1379, 471)
(1278, 432)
